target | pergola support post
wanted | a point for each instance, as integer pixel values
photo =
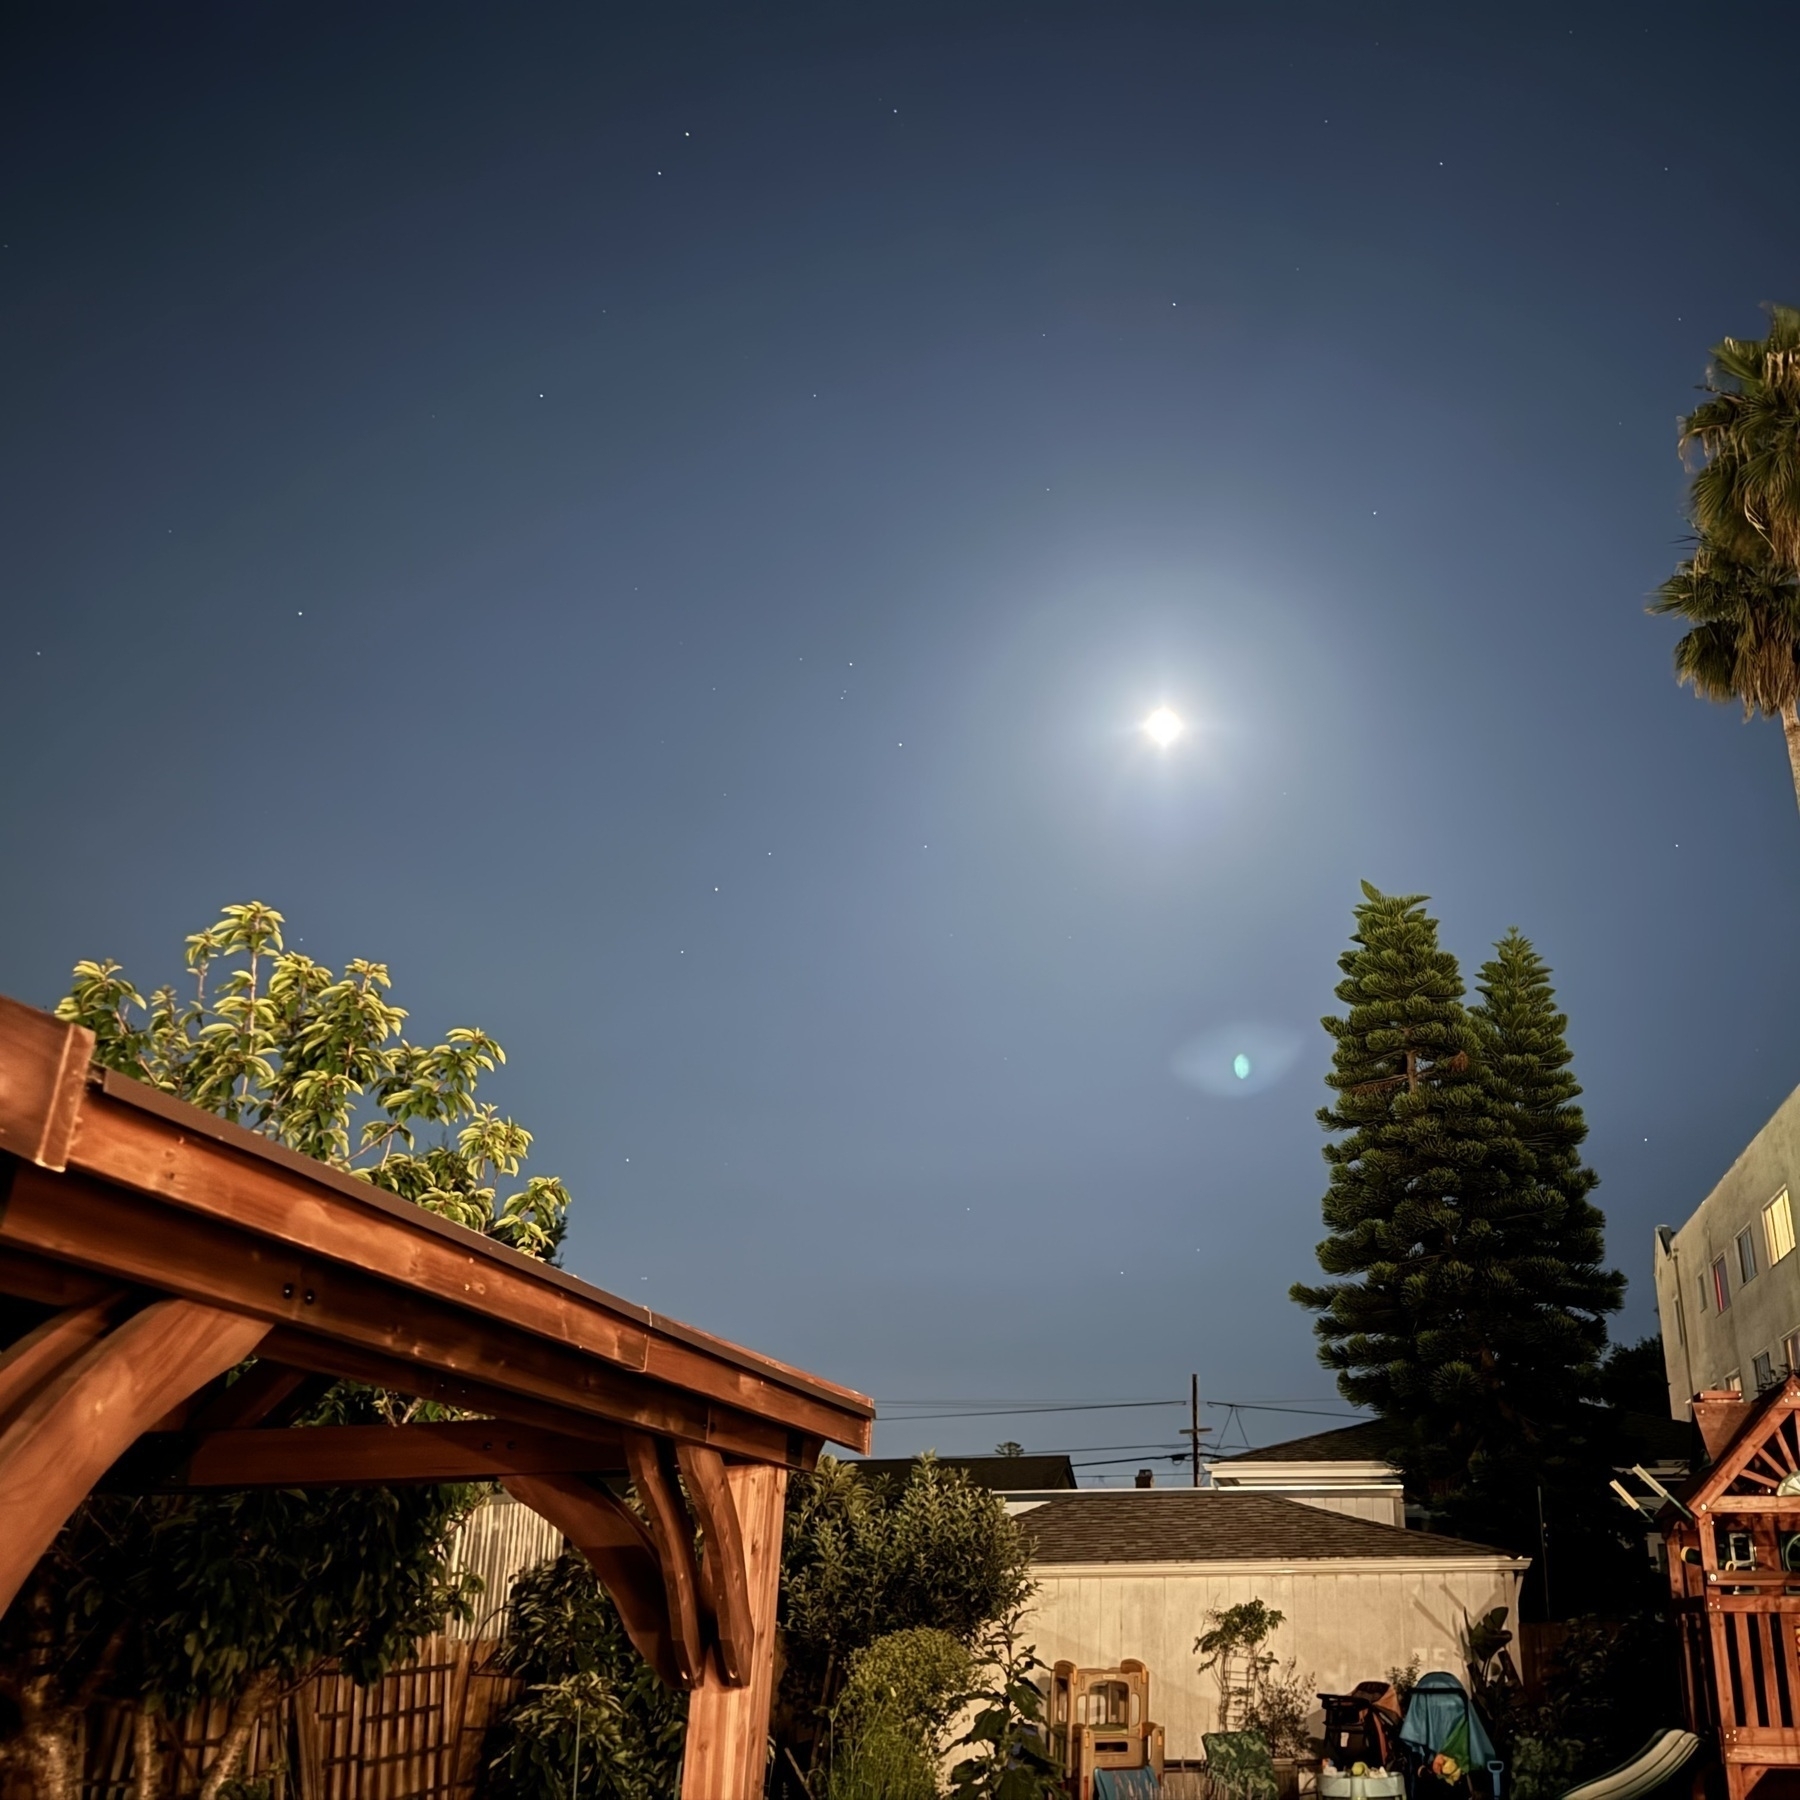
(728, 1726)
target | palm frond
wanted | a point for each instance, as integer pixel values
(1746, 494)
(1745, 644)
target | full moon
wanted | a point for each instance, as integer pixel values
(1163, 727)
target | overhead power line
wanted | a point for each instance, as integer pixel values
(1104, 1462)
(1307, 1411)
(1013, 1412)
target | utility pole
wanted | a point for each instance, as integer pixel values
(1195, 1431)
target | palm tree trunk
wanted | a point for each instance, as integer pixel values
(1790, 729)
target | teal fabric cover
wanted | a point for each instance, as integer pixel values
(1440, 1717)
(1126, 1784)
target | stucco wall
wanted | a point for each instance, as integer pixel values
(1345, 1623)
(1701, 1346)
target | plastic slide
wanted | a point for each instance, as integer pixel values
(1651, 1767)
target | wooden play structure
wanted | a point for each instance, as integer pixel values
(1733, 1540)
(1100, 1719)
(162, 1248)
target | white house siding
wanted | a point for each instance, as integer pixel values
(1357, 1488)
(1345, 1622)
(1380, 1505)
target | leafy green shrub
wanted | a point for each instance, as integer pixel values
(862, 1560)
(912, 1680)
(1544, 1767)
(1009, 1750)
(589, 1695)
(1610, 1684)
(882, 1760)
(1281, 1709)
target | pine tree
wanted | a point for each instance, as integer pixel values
(1525, 1056)
(1469, 1306)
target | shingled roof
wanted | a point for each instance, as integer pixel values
(1369, 1441)
(1003, 1474)
(1174, 1525)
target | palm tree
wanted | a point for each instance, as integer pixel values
(1745, 641)
(1746, 495)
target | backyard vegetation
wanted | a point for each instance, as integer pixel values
(159, 1604)
(899, 1605)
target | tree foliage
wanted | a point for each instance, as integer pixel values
(1746, 493)
(1737, 591)
(899, 1697)
(1522, 1046)
(862, 1559)
(590, 1698)
(1743, 639)
(161, 1602)
(1009, 1751)
(1468, 1303)
(271, 1039)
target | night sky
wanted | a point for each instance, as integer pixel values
(662, 524)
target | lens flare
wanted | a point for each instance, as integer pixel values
(1241, 1057)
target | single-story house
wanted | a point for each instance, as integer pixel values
(1136, 1572)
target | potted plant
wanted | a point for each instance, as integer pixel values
(1257, 1692)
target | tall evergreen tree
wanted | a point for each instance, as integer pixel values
(1469, 1305)
(1524, 1051)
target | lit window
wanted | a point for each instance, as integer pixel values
(1735, 1382)
(1746, 1255)
(1721, 1285)
(1762, 1370)
(1778, 1227)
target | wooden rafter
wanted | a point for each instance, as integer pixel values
(83, 1415)
(358, 1456)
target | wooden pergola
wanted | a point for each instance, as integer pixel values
(169, 1247)
(1733, 1539)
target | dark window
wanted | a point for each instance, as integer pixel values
(1746, 1252)
(1721, 1285)
(1762, 1370)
